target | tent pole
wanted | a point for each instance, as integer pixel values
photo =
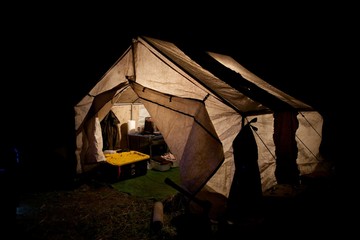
(203, 203)
(131, 112)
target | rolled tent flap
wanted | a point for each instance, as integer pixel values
(185, 125)
(285, 127)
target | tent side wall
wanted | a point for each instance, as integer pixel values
(308, 138)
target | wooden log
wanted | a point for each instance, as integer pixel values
(158, 216)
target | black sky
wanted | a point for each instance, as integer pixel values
(54, 56)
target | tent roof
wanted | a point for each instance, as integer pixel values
(227, 79)
(216, 74)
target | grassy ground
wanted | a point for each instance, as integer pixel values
(95, 210)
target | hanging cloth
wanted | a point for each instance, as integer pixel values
(110, 132)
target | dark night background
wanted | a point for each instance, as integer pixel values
(54, 55)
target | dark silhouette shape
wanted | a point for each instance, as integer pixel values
(246, 192)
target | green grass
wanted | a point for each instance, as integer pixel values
(151, 185)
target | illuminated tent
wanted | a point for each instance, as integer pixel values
(200, 101)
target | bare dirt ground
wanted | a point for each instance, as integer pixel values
(87, 212)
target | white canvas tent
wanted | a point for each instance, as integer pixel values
(199, 103)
